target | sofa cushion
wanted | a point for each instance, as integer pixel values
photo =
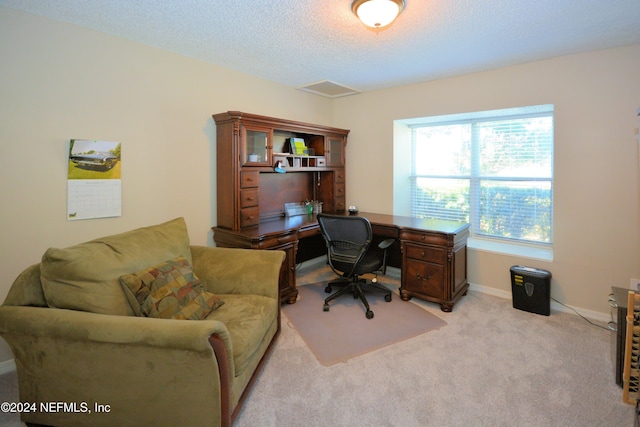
(170, 290)
(248, 319)
(85, 276)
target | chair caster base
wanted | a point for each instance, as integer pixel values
(328, 289)
(369, 314)
(387, 298)
(325, 307)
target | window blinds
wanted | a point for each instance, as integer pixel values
(494, 172)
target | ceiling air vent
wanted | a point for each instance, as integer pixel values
(328, 88)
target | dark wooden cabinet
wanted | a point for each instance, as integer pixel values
(434, 263)
(251, 194)
(248, 146)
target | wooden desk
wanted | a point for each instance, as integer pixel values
(432, 254)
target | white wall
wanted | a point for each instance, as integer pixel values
(597, 196)
(59, 81)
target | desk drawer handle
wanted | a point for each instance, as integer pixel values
(250, 199)
(424, 278)
(251, 217)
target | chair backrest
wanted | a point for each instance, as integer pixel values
(347, 237)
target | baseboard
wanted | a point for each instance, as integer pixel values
(396, 274)
(7, 366)
(589, 314)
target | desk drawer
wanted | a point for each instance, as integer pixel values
(423, 237)
(425, 253)
(384, 231)
(249, 179)
(276, 241)
(249, 197)
(249, 216)
(424, 278)
(308, 231)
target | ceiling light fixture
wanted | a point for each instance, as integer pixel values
(377, 13)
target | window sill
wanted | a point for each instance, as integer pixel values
(514, 249)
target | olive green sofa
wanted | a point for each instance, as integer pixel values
(81, 338)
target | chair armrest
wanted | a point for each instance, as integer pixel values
(238, 271)
(383, 247)
(385, 244)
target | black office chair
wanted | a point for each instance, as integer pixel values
(348, 240)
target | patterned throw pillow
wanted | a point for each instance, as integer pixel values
(171, 290)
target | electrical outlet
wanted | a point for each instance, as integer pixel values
(635, 284)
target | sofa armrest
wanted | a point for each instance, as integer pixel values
(55, 323)
(27, 289)
(238, 271)
(159, 360)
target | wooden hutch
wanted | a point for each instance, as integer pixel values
(252, 195)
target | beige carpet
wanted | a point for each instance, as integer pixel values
(344, 332)
(491, 365)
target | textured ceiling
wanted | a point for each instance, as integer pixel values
(299, 42)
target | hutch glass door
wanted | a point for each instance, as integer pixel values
(255, 149)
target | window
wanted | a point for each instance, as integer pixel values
(492, 169)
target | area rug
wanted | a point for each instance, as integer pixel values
(344, 332)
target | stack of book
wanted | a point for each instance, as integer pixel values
(298, 147)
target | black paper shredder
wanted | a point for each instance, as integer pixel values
(531, 289)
